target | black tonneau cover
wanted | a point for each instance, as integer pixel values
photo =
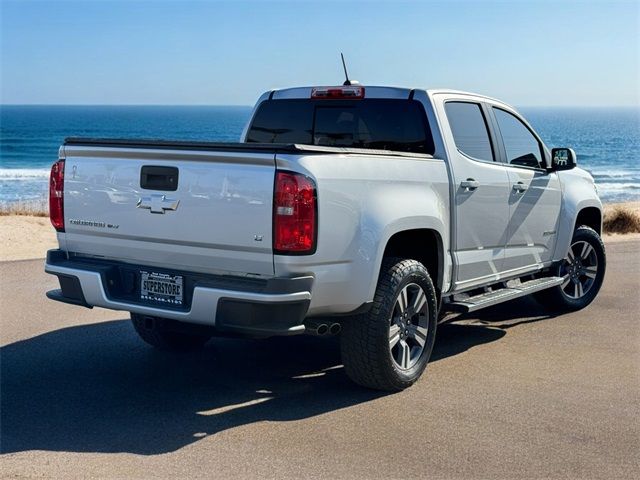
(228, 146)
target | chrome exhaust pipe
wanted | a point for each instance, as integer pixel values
(322, 329)
(316, 328)
(335, 328)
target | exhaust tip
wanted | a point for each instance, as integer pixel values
(322, 329)
(335, 328)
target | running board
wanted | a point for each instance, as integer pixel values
(494, 297)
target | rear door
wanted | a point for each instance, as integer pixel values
(215, 216)
(481, 192)
(535, 197)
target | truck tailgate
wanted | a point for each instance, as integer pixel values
(215, 217)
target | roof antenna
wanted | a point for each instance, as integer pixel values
(346, 75)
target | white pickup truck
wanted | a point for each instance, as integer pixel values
(366, 211)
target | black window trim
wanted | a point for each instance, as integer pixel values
(503, 150)
(490, 133)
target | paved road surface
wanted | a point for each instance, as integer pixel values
(506, 396)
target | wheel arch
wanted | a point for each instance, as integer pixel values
(422, 244)
(587, 212)
(580, 206)
(590, 217)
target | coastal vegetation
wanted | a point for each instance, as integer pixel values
(621, 218)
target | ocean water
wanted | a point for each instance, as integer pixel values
(607, 141)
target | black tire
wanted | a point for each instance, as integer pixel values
(556, 298)
(366, 342)
(170, 335)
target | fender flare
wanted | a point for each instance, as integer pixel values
(407, 224)
(567, 223)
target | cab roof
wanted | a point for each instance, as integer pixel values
(372, 91)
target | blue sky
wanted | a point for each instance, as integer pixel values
(209, 52)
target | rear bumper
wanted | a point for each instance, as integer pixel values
(275, 306)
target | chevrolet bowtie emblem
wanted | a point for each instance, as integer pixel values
(157, 203)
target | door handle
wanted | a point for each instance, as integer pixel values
(469, 185)
(520, 187)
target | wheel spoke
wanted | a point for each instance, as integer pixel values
(590, 272)
(408, 330)
(405, 354)
(394, 335)
(419, 334)
(586, 251)
(402, 300)
(419, 300)
(581, 267)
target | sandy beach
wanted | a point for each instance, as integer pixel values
(27, 237)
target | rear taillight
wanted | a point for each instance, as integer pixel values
(56, 195)
(330, 93)
(294, 214)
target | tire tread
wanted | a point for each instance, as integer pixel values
(364, 354)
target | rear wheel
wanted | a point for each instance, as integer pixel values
(388, 348)
(170, 335)
(582, 270)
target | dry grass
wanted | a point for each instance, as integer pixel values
(32, 208)
(621, 219)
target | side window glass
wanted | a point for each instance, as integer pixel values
(469, 129)
(521, 146)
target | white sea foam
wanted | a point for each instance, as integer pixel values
(616, 187)
(614, 175)
(608, 173)
(29, 174)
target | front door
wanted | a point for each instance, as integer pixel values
(535, 197)
(482, 191)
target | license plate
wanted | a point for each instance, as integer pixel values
(161, 287)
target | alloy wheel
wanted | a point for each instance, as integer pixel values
(408, 326)
(579, 270)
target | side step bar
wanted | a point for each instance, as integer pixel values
(471, 304)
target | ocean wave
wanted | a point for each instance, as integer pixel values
(609, 173)
(614, 173)
(609, 187)
(23, 174)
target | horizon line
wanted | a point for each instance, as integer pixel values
(637, 106)
(122, 105)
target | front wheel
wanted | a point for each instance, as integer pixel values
(582, 270)
(388, 348)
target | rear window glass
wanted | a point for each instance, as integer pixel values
(384, 124)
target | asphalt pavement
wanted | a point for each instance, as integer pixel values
(511, 392)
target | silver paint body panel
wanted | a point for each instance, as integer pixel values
(225, 200)
(362, 202)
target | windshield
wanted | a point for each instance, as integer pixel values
(384, 124)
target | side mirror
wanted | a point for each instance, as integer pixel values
(562, 159)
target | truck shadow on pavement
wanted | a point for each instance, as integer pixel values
(98, 388)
